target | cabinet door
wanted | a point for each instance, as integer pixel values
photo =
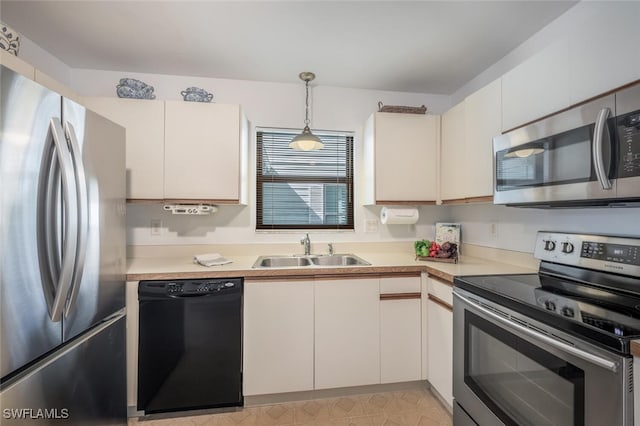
(400, 329)
(483, 119)
(440, 337)
(278, 337)
(144, 124)
(453, 172)
(537, 87)
(400, 342)
(202, 151)
(440, 347)
(347, 333)
(16, 64)
(405, 157)
(603, 50)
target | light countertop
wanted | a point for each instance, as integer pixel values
(381, 263)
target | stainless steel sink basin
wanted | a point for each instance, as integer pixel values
(281, 262)
(309, 261)
(339, 260)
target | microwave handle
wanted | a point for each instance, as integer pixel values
(599, 134)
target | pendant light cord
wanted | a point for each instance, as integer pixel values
(306, 113)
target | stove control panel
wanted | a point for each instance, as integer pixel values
(620, 255)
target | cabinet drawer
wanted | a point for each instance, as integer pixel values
(441, 289)
(393, 285)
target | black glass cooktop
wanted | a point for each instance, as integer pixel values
(603, 315)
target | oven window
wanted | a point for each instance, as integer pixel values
(559, 159)
(521, 383)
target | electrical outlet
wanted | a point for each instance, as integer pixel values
(156, 227)
(371, 225)
(494, 229)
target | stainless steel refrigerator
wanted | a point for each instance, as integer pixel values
(62, 260)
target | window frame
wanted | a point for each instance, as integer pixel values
(348, 180)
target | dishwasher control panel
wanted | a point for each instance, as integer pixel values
(188, 287)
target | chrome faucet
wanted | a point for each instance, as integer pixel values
(330, 249)
(307, 245)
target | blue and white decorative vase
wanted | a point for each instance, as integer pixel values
(134, 89)
(195, 94)
(9, 39)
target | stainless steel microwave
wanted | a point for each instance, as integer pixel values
(585, 156)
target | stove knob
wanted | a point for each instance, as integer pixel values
(549, 305)
(567, 248)
(549, 245)
(567, 312)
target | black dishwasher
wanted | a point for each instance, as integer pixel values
(190, 344)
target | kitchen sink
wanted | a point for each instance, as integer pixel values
(281, 262)
(339, 260)
(309, 261)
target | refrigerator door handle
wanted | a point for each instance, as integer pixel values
(83, 216)
(58, 281)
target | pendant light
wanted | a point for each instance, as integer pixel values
(306, 141)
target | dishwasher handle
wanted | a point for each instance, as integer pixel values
(190, 295)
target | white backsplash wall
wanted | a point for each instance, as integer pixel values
(512, 228)
(236, 225)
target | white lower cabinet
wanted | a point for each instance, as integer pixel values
(347, 332)
(322, 333)
(278, 336)
(636, 390)
(440, 341)
(400, 330)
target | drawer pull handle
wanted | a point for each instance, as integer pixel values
(400, 296)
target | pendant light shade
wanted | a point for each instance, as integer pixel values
(306, 141)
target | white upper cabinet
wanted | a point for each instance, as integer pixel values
(53, 84)
(536, 87)
(205, 152)
(144, 124)
(599, 53)
(400, 158)
(605, 55)
(466, 154)
(16, 64)
(21, 67)
(453, 170)
(483, 121)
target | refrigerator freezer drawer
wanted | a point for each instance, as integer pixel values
(84, 383)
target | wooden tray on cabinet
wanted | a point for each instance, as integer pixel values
(438, 259)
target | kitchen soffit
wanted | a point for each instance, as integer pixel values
(414, 46)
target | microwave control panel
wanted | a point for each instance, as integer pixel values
(628, 129)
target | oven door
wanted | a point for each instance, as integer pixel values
(567, 157)
(509, 370)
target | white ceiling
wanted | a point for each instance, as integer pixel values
(413, 46)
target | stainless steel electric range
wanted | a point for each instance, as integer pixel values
(551, 348)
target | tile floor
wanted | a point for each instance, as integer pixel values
(402, 408)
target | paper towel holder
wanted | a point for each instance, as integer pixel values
(399, 216)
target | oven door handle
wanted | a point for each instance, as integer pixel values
(594, 359)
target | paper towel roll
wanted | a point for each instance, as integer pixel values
(398, 216)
